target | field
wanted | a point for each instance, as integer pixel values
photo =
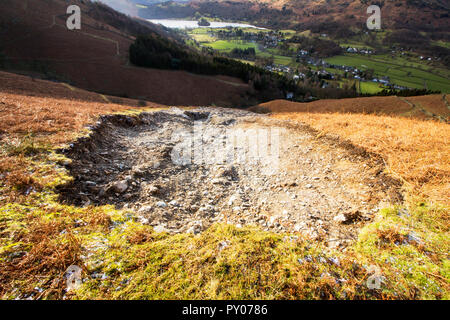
(354, 44)
(278, 59)
(414, 149)
(123, 258)
(96, 58)
(442, 44)
(400, 71)
(228, 45)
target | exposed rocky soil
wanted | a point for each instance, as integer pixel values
(279, 175)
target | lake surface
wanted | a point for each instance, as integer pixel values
(188, 24)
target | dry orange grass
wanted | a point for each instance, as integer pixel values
(386, 105)
(56, 118)
(416, 151)
(46, 260)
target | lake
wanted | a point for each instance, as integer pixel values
(188, 24)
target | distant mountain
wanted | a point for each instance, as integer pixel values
(34, 39)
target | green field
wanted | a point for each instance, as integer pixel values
(354, 45)
(215, 30)
(277, 59)
(401, 71)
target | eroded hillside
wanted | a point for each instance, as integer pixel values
(143, 250)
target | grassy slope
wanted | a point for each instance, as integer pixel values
(121, 258)
(368, 87)
(400, 71)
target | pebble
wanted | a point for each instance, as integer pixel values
(341, 218)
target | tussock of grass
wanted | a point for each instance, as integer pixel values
(123, 259)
